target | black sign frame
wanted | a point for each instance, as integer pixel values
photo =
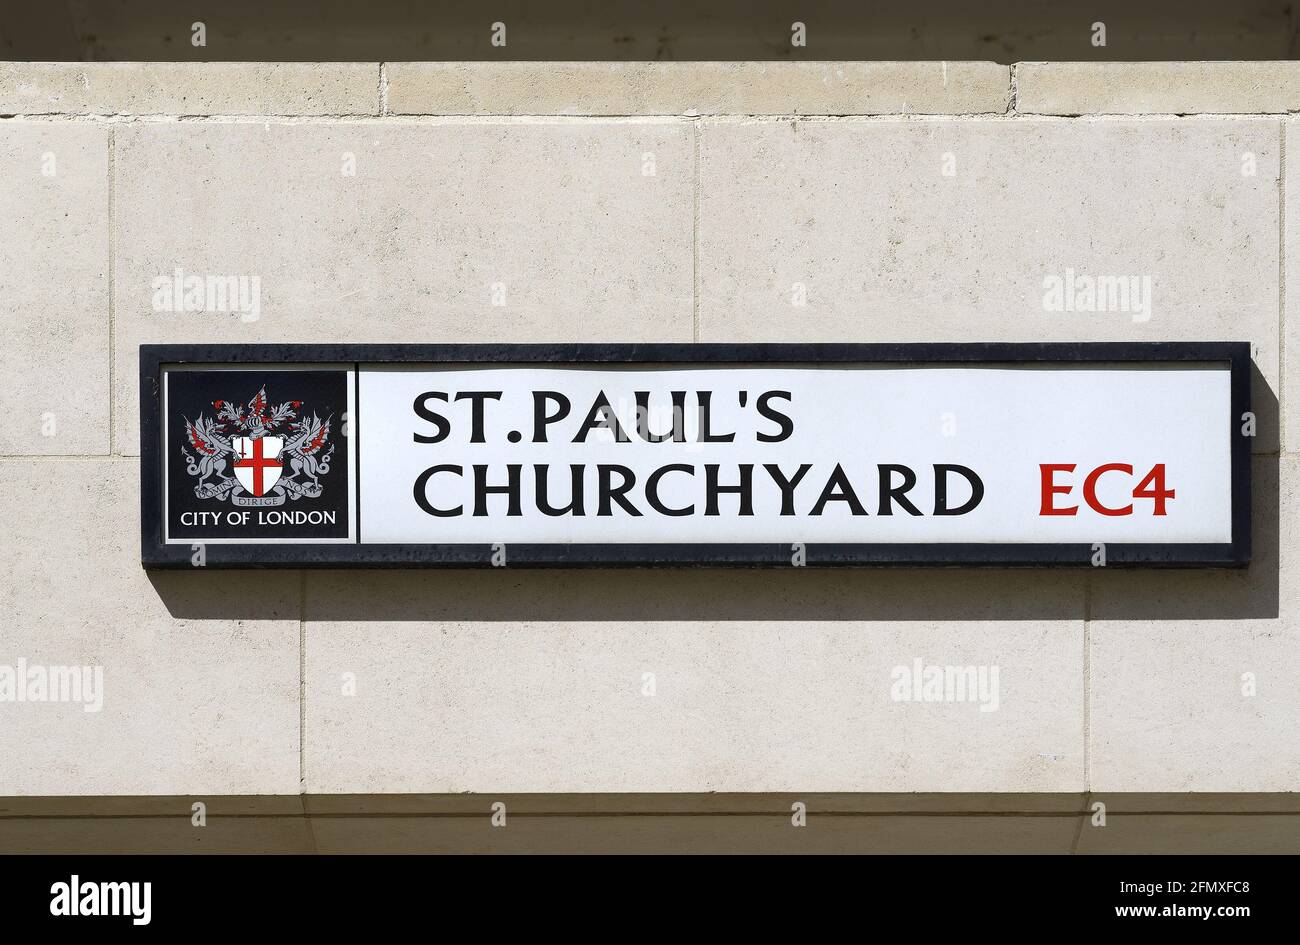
(156, 554)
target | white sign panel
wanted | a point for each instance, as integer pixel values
(785, 454)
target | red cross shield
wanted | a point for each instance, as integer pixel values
(258, 467)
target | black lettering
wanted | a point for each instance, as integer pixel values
(424, 413)
(678, 432)
(744, 489)
(611, 493)
(575, 502)
(776, 416)
(421, 491)
(542, 419)
(838, 489)
(787, 486)
(652, 489)
(706, 411)
(889, 493)
(476, 399)
(482, 490)
(600, 416)
(941, 471)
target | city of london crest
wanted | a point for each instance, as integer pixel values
(257, 454)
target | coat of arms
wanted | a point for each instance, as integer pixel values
(273, 452)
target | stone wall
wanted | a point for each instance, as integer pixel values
(918, 201)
